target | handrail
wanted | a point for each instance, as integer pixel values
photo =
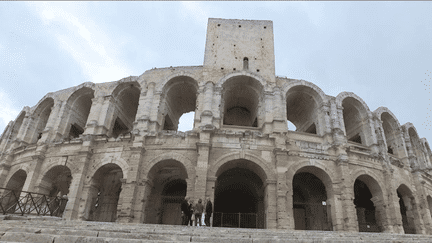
(33, 203)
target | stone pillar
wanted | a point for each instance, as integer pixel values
(279, 113)
(203, 149)
(128, 195)
(87, 201)
(210, 191)
(393, 208)
(34, 173)
(49, 132)
(422, 206)
(79, 171)
(155, 115)
(142, 198)
(145, 107)
(4, 171)
(271, 203)
(61, 122)
(101, 115)
(346, 194)
(217, 107)
(324, 125)
(267, 109)
(381, 214)
(282, 189)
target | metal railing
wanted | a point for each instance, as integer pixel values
(235, 220)
(22, 202)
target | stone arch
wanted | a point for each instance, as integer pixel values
(428, 152)
(408, 210)
(266, 173)
(242, 100)
(392, 132)
(320, 95)
(25, 167)
(308, 99)
(40, 117)
(415, 147)
(16, 180)
(180, 95)
(229, 76)
(166, 185)
(55, 181)
(356, 119)
(187, 163)
(308, 213)
(76, 112)
(126, 97)
(161, 87)
(371, 213)
(104, 192)
(119, 161)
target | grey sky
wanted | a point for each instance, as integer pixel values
(381, 51)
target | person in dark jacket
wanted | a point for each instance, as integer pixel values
(199, 208)
(185, 212)
(208, 212)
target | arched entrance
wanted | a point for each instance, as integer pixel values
(10, 197)
(310, 205)
(406, 204)
(56, 181)
(239, 196)
(104, 193)
(367, 215)
(169, 187)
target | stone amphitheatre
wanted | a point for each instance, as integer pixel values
(113, 149)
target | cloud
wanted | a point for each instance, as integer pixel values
(88, 44)
(7, 111)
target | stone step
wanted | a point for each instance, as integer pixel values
(82, 231)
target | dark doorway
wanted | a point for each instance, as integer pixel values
(407, 223)
(239, 200)
(310, 207)
(366, 213)
(172, 195)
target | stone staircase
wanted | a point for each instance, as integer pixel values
(56, 230)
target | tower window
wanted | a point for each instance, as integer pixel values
(245, 63)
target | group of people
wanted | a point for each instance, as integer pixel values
(193, 212)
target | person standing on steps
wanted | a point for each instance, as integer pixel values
(185, 212)
(191, 212)
(208, 212)
(199, 208)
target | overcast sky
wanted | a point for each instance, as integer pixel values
(381, 51)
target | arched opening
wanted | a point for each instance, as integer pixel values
(245, 63)
(406, 204)
(239, 196)
(105, 191)
(355, 119)
(186, 122)
(15, 183)
(368, 214)
(56, 181)
(41, 116)
(310, 205)
(416, 149)
(126, 106)
(169, 187)
(241, 101)
(393, 140)
(79, 105)
(17, 126)
(181, 95)
(302, 108)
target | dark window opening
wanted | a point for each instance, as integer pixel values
(257, 70)
(239, 26)
(218, 24)
(265, 27)
(119, 128)
(390, 150)
(39, 136)
(169, 125)
(356, 139)
(75, 131)
(234, 69)
(245, 63)
(222, 68)
(311, 129)
(255, 124)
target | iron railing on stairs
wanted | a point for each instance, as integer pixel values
(235, 220)
(30, 203)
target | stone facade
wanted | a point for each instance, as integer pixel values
(114, 149)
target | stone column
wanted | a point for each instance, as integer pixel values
(217, 107)
(34, 173)
(279, 113)
(49, 132)
(155, 115)
(4, 171)
(282, 189)
(381, 214)
(142, 198)
(267, 109)
(128, 195)
(79, 170)
(207, 114)
(393, 208)
(61, 122)
(345, 192)
(422, 201)
(271, 203)
(145, 107)
(87, 201)
(203, 149)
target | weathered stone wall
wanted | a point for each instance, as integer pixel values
(123, 163)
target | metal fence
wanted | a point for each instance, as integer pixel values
(235, 220)
(22, 202)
